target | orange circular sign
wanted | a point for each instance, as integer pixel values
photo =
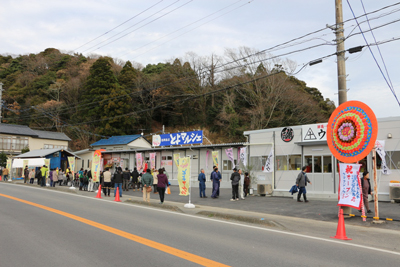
(352, 131)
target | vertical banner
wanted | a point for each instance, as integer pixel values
(152, 161)
(349, 185)
(139, 162)
(176, 159)
(243, 156)
(96, 166)
(184, 176)
(47, 163)
(238, 156)
(269, 163)
(71, 161)
(229, 154)
(207, 156)
(380, 149)
(9, 165)
(215, 158)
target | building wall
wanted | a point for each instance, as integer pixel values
(38, 143)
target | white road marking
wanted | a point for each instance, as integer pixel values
(225, 222)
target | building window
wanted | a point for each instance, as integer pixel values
(258, 163)
(317, 164)
(327, 164)
(295, 162)
(281, 163)
(227, 165)
(308, 163)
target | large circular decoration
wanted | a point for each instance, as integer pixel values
(352, 131)
(287, 134)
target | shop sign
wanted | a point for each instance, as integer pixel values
(287, 134)
(175, 139)
(314, 132)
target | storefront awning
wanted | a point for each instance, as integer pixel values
(33, 162)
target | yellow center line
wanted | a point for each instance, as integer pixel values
(167, 249)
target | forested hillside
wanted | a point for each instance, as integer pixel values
(90, 97)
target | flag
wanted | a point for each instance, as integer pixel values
(184, 176)
(96, 165)
(243, 156)
(139, 162)
(152, 160)
(229, 154)
(215, 158)
(176, 159)
(269, 163)
(71, 161)
(380, 149)
(349, 185)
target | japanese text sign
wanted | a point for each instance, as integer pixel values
(175, 139)
(314, 132)
(349, 185)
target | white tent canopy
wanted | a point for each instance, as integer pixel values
(33, 162)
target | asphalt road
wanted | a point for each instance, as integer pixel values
(73, 230)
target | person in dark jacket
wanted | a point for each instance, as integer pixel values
(216, 180)
(135, 181)
(126, 175)
(202, 184)
(118, 181)
(366, 190)
(26, 174)
(301, 183)
(162, 184)
(235, 178)
(147, 181)
(246, 183)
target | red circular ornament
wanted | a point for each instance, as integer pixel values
(352, 131)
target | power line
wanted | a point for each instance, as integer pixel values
(141, 26)
(118, 26)
(362, 33)
(183, 27)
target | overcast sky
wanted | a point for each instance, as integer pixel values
(212, 26)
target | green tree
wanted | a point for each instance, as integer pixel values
(3, 159)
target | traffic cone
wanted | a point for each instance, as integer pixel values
(117, 196)
(341, 231)
(99, 192)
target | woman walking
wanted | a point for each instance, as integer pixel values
(162, 184)
(147, 182)
(55, 177)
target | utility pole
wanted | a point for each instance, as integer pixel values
(1, 99)
(340, 53)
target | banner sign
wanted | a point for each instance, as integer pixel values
(215, 158)
(349, 185)
(165, 163)
(175, 139)
(139, 162)
(71, 162)
(9, 166)
(314, 132)
(269, 163)
(96, 164)
(184, 176)
(25, 162)
(153, 161)
(243, 156)
(380, 149)
(176, 159)
(229, 154)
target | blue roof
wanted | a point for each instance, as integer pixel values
(117, 140)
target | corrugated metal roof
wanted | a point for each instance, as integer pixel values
(52, 135)
(17, 130)
(117, 140)
(177, 148)
(41, 153)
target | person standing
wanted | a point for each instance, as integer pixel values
(301, 183)
(162, 184)
(246, 183)
(202, 184)
(216, 181)
(90, 181)
(106, 182)
(235, 178)
(155, 181)
(126, 175)
(31, 176)
(26, 174)
(147, 182)
(5, 174)
(366, 190)
(135, 176)
(211, 178)
(241, 183)
(44, 171)
(60, 177)
(118, 181)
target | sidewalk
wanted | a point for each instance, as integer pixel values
(258, 207)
